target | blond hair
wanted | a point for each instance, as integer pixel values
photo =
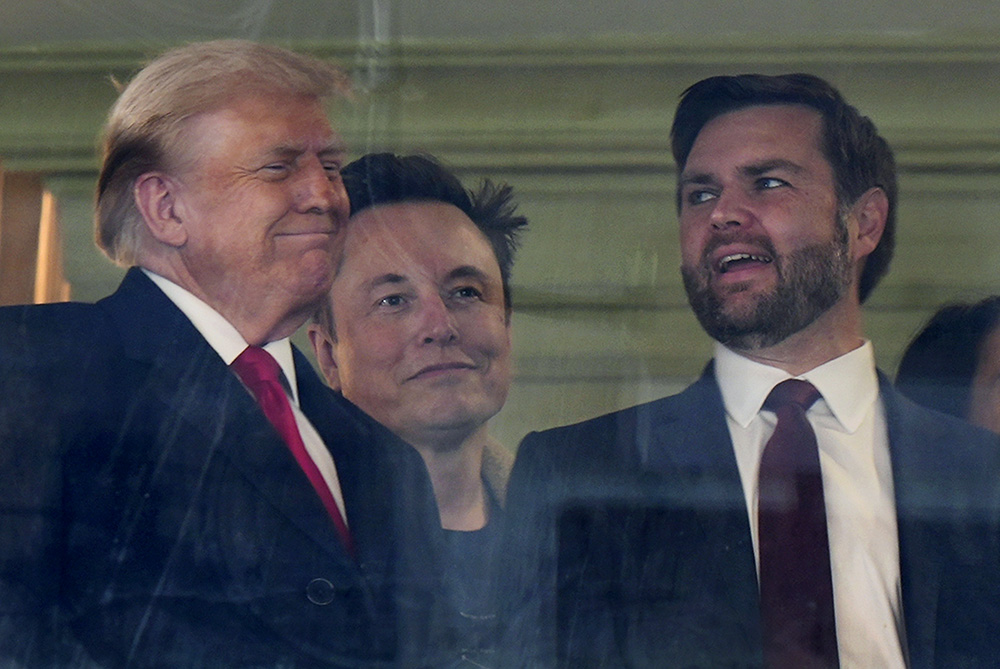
(141, 133)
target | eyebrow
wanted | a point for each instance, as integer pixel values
(698, 178)
(337, 149)
(752, 170)
(468, 272)
(294, 151)
(391, 278)
(384, 279)
(770, 165)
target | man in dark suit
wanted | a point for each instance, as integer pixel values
(180, 488)
(643, 537)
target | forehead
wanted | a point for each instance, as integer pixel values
(257, 125)
(429, 237)
(763, 132)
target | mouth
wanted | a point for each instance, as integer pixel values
(736, 261)
(441, 369)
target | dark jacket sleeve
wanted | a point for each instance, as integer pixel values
(42, 383)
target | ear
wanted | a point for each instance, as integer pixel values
(871, 211)
(323, 347)
(156, 197)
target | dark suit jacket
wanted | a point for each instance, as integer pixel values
(151, 516)
(629, 542)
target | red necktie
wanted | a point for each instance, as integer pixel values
(796, 589)
(261, 374)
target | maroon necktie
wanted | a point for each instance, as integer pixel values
(261, 374)
(796, 589)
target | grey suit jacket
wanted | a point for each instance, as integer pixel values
(155, 517)
(632, 547)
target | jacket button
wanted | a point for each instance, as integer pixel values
(320, 591)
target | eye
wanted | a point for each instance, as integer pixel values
(768, 183)
(467, 293)
(392, 301)
(275, 171)
(698, 196)
(332, 169)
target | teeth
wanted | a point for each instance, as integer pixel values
(733, 257)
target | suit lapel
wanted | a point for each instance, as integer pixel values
(210, 406)
(690, 442)
(352, 443)
(691, 453)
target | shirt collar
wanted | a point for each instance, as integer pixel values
(848, 384)
(220, 333)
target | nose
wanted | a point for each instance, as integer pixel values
(321, 191)
(731, 210)
(438, 325)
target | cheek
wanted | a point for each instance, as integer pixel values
(487, 332)
(503, 376)
(691, 243)
(992, 407)
(377, 352)
(984, 404)
(502, 368)
(822, 227)
(491, 348)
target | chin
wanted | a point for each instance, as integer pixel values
(315, 283)
(452, 418)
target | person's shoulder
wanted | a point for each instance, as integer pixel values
(942, 446)
(378, 443)
(29, 318)
(347, 418)
(48, 333)
(612, 443)
(603, 424)
(945, 470)
(930, 424)
(624, 423)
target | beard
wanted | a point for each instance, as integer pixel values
(810, 281)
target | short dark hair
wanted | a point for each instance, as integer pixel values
(386, 178)
(861, 159)
(939, 364)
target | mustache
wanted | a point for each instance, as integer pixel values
(761, 242)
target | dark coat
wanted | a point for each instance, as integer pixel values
(631, 545)
(151, 515)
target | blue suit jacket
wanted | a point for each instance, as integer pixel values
(629, 542)
(151, 516)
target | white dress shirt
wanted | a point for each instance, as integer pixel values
(229, 343)
(849, 421)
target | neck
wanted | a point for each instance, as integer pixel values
(834, 333)
(264, 322)
(456, 475)
(259, 320)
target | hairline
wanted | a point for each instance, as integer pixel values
(327, 324)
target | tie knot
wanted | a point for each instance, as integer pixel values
(255, 364)
(793, 391)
